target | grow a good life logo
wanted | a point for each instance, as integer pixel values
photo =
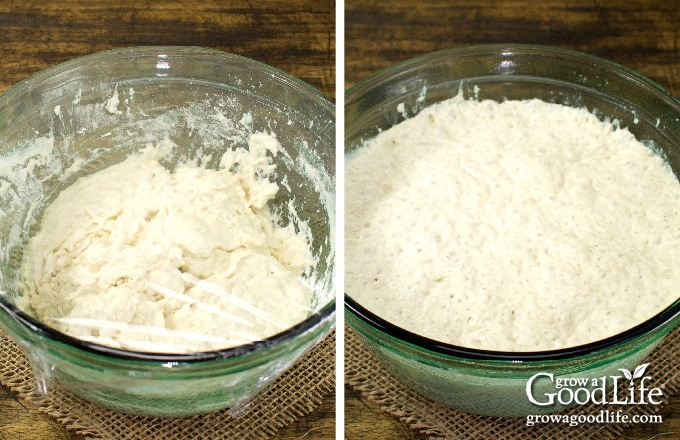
(544, 389)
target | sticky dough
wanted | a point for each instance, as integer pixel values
(513, 226)
(140, 258)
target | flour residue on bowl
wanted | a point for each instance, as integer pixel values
(138, 257)
(513, 226)
(267, 152)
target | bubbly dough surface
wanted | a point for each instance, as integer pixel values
(140, 258)
(514, 226)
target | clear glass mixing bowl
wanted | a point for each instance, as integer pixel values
(489, 382)
(88, 113)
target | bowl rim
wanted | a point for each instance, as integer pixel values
(507, 49)
(168, 51)
(474, 354)
(325, 313)
(662, 318)
(42, 330)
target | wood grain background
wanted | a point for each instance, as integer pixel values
(642, 35)
(295, 36)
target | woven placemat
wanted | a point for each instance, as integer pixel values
(366, 375)
(296, 393)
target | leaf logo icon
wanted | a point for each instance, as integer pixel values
(626, 373)
(637, 373)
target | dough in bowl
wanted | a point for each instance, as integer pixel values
(513, 226)
(141, 258)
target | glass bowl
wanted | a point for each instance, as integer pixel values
(513, 383)
(88, 113)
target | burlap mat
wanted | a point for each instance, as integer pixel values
(365, 374)
(297, 392)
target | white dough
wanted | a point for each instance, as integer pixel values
(514, 226)
(137, 257)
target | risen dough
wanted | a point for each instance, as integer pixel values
(516, 226)
(137, 257)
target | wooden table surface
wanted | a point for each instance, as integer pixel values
(642, 35)
(296, 36)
